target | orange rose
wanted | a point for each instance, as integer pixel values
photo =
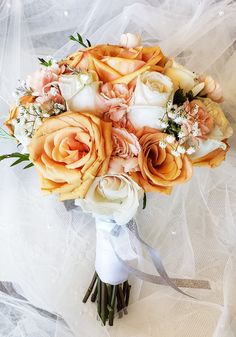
(69, 151)
(160, 169)
(13, 114)
(117, 64)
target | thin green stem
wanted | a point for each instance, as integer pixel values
(112, 305)
(127, 295)
(95, 293)
(90, 288)
(104, 303)
(99, 297)
(122, 300)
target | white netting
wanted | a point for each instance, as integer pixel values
(48, 253)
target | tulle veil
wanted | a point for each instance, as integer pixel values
(47, 253)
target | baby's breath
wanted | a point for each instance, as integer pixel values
(190, 150)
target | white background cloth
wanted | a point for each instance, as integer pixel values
(48, 253)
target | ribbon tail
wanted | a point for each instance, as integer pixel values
(156, 259)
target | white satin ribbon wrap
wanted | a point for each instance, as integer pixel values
(109, 268)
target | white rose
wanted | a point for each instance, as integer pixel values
(152, 88)
(153, 91)
(145, 115)
(113, 196)
(207, 146)
(81, 91)
(181, 77)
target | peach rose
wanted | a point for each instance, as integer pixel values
(117, 64)
(14, 111)
(69, 151)
(125, 151)
(160, 168)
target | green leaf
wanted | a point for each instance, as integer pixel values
(18, 161)
(44, 62)
(179, 97)
(144, 200)
(89, 43)
(79, 37)
(21, 157)
(73, 38)
(28, 166)
(80, 40)
(173, 129)
(190, 96)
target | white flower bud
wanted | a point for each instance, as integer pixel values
(170, 139)
(198, 88)
(179, 120)
(162, 144)
(223, 146)
(190, 150)
(172, 114)
(181, 134)
(45, 115)
(164, 125)
(175, 153)
(53, 91)
(195, 133)
(181, 149)
(129, 40)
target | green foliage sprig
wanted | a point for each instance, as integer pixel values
(21, 157)
(180, 97)
(44, 62)
(173, 129)
(80, 40)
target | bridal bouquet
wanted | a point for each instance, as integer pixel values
(106, 125)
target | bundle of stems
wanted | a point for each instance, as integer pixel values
(110, 298)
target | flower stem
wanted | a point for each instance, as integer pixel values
(112, 305)
(127, 295)
(122, 300)
(99, 297)
(90, 288)
(108, 297)
(125, 286)
(104, 303)
(95, 293)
